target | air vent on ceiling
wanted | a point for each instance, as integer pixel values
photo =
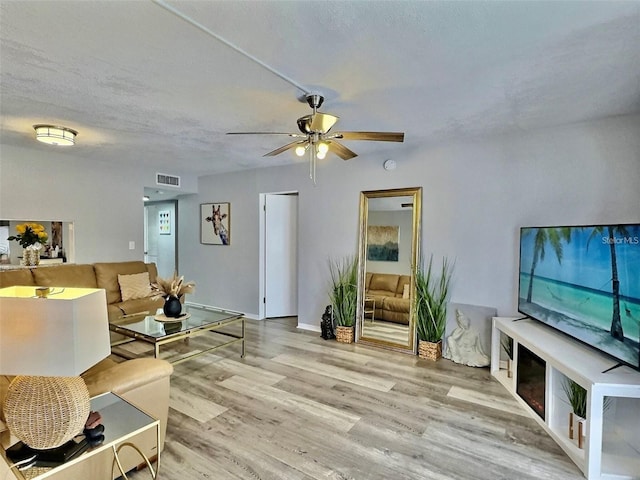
(170, 180)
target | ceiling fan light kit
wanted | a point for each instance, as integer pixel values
(317, 139)
(55, 135)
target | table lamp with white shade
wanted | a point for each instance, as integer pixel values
(48, 337)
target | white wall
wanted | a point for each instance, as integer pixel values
(104, 202)
(476, 196)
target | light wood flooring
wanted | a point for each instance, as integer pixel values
(298, 407)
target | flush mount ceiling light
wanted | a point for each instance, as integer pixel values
(54, 135)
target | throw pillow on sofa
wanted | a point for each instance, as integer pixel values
(134, 286)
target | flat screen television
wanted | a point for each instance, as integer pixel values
(585, 281)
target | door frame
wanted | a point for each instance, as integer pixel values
(262, 200)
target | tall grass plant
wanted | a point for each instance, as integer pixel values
(343, 291)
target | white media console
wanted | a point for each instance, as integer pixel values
(612, 447)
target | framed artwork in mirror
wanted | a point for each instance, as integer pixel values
(215, 223)
(382, 243)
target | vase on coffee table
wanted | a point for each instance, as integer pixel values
(172, 306)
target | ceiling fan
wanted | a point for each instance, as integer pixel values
(316, 138)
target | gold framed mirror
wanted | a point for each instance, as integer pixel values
(389, 244)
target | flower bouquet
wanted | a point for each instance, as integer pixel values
(30, 236)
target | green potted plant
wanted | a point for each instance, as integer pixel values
(577, 397)
(343, 293)
(431, 307)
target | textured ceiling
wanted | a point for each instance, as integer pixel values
(142, 85)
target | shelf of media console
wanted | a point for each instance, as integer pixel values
(612, 447)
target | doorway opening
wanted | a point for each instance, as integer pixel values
(161, 236)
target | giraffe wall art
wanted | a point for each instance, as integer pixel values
(215, 221)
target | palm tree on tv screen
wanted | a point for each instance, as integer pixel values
(553, 236)
(611, 231)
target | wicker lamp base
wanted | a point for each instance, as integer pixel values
(45, 412)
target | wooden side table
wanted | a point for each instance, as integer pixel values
(128, 432)
(369, 308)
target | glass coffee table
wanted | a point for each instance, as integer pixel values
(199, 320)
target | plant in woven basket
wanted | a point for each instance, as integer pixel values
(343, 291)
(431, 300)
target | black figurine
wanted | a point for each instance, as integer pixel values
(326, 325)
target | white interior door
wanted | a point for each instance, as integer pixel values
(281, 255)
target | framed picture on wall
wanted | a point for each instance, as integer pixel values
(164, 222)
(215, 223)
(383, 243)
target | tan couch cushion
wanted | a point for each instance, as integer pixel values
(108, 376)
(79, 276)
(107, 276)
(394, 304)
(383, 284)
(134, 286)
(20, 276)
(402, 281)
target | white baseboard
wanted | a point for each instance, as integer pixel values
(311, 328)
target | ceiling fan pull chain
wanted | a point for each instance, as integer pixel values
(312, 164)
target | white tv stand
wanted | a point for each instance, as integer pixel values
(612, 448)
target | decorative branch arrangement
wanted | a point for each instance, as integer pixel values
(173, 287)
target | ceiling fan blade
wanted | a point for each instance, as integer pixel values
(375, 136)
(322, 122)
(284, 148)
(340, 150)
(297, 135)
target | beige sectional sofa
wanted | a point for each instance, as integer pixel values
(388, 292)
(143, 382)
(97, 275)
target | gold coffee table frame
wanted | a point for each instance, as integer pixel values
(203, 319)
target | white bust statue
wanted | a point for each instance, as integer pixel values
(463, 345)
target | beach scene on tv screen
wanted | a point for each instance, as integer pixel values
(585, 281)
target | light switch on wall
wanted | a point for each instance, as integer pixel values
(132, 245)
